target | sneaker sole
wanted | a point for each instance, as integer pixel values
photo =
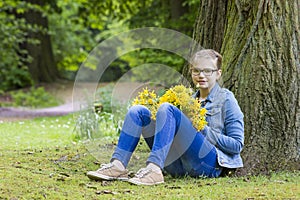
(97, 176)
(136, 182)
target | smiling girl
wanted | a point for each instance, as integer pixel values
(176, 146)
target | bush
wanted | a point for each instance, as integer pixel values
(34, 98)
(101, 118)
(13, 66)
(104, 97)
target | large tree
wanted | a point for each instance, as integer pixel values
(43, 67)
(260, 44)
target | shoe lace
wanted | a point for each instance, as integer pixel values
(143, 172)
(105, 166)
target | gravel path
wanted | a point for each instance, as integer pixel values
(8, 114)
(64, 91)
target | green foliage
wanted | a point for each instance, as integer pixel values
(34, 98)
(161, 15)
(104, 97)
(112, 17)
(78, 26)
(98, 120)
(71, 39)
(138, 58)
(14, 59)
(91, 125)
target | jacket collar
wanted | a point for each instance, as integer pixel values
(212, 94)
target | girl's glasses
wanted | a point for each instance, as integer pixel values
(206, 72)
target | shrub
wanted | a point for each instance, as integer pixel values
(34, 98)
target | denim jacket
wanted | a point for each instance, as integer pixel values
(225, 127)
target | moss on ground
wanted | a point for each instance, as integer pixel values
(39, 160)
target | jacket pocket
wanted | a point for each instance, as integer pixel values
(214, 118)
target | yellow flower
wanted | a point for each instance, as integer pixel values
(179, 96)
(203, 112)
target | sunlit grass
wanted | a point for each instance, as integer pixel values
(40, 160)
(40, 132)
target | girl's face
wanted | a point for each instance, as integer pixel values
(205, 74)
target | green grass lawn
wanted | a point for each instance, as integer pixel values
(40, 160)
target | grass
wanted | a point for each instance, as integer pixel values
(40, 160)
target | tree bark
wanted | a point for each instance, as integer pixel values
(260, 44)
(43, 67)
(209, 29)
(210, 25)
(177, 9)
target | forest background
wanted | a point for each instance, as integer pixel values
(44, 41)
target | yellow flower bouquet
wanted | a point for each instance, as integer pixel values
(179, 96)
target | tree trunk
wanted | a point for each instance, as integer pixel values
(209, 28)
(43, 67)
(177, 9)
(260, 44)
(210, 25)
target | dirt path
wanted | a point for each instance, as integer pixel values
(63, 90)
(9, 114)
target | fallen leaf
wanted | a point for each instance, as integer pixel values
(64, 174)
(97, 163)
(173, 187)
(128, 191)
(106, 183)
(246, 179)
(279, 181)
(262, 194)
(63, 158)
(212, 183)
(91, 186)
(99, 192)
(60, 178)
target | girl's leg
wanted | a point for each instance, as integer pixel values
(137, 120)
(179, 147)
(201, 158)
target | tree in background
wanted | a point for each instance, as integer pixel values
(14, 59)
(43, 40)
(27, 52)
(123, 15)
(43, 67)
(260, 44)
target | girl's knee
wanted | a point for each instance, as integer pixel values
(139, 114)
(137, 109)
(165, 106)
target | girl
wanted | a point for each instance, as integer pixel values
(175, 144)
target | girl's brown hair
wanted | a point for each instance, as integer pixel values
(207, 53)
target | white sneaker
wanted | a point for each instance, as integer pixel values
(108, 172)
(147, 176)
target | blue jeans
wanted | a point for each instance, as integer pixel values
(175, 144)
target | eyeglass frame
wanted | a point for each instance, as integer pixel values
(200, 71)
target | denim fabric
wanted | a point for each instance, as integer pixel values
(225, 128)
(175, 144)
